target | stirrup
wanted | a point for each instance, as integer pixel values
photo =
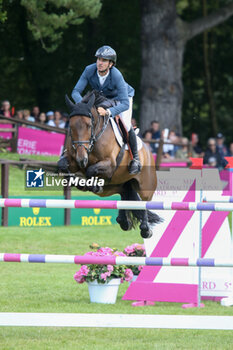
(134, 166)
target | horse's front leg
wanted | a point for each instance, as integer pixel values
(103, 169)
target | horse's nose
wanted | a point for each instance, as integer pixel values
(82, 162)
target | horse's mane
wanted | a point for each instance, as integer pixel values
(99, 98)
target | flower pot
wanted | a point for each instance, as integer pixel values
(104, 293)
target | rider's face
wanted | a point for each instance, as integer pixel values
(103, 65)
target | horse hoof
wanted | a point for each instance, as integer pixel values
(125, 225)
(97, 189)
(146, 231)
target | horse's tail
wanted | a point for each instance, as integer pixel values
(153, 218)
(137, 215)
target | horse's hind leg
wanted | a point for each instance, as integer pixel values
(146, 232)
(123, 218)
(124, 221)
(141, 216)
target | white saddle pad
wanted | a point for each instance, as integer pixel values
(119, 137)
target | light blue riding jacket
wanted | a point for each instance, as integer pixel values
(114, 87)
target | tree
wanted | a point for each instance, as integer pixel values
(164, 36)
(3, 15)
(47, 19)
(29, 74)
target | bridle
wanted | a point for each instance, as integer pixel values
(94, 137)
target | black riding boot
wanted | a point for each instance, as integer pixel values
(63, 165)
(135, 165)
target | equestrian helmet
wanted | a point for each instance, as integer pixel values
(107, 53)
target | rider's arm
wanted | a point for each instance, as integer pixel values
(79, 87)
(122, 94)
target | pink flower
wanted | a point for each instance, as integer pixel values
(92, 253)
(84, 270)
(103, 276)
(110, 268)
(135, 249)
(119, 253)
(140, 267)
(129, 250)
(105, 251)
(128, 274)
(78, 277)
(140, 247)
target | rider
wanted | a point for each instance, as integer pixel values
(107, 79)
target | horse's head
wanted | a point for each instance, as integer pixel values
(81, 129)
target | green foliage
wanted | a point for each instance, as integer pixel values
(196, 109)
(47, 19)
(181, 5)
(3, 13)
(31, 76)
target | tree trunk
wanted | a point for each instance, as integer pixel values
(162, 59)
(163, 39)
(213, 117)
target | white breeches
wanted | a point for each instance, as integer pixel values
(126, 116)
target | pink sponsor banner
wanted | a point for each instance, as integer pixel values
(6, 135)
(33, 141)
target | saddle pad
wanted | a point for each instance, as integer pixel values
(119, 137)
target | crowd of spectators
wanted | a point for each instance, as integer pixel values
(52, 118)
(177, 147)
(174, 146)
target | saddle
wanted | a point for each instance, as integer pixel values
(102, 101)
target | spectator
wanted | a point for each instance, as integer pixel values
(50, 116)
(27, 116)
(230, 152)
(36, 113)
(212, 162)
(65, 118)
(42, 118)
(134, 123)
(168, 148)
(6, 109)
(19, 114)
(221, 147)
(183, 152)
(174, 138)
(195, 145)
(147, 135)
(212, 152)
(57, 122)
(155, 130)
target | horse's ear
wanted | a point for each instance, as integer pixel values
(91, 101)
(69, 103)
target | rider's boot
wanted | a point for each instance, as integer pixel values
(63, 164)
(135, 165)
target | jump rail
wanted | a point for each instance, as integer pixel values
(113, 260)
(114, 204)
(223, 199)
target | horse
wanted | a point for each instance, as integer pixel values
(93, 151)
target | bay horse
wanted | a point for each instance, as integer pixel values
(93, 151)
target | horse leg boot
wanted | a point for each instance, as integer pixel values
(63, 164)
(135, 165)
